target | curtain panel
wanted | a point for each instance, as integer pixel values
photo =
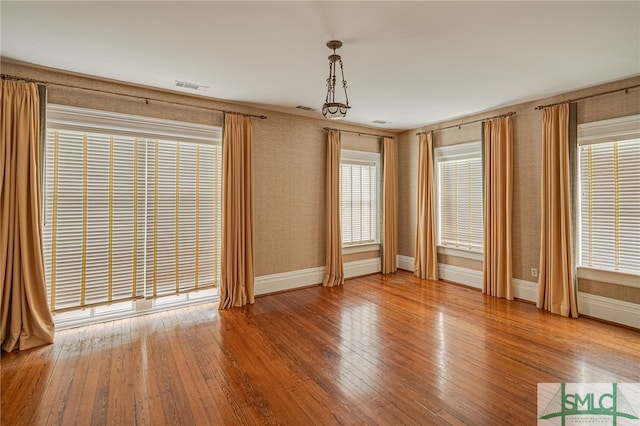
(25, 318)
(237, 254)
(556, 285)
(390, 209)
(498, 202)
(334, 275)
(426, 254)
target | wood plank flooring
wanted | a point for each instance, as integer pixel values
(380, 350)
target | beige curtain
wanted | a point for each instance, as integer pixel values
(236, 287)
(556, 287)
(24, 314)
(498, 201)
(390, 210)
(426, 254)
(334, 275)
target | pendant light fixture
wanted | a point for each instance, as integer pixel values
(332, 109)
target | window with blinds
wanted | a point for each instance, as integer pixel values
(609, 195)
(132, 207)
(460, 196)
(359, 174)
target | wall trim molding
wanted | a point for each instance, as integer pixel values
(404, 262)
(456, 274)
(525, 290)
(311, 276)
(361, 248)
(362, 267)
(466, 254)
(613, 310)
(609, 277)
(288, 280)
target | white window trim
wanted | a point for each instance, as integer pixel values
(465, 254)
(65, 117)
(366, 158)
(611, 277)
(360, 248)
(461, 151)
(614, 129)
(603, 131)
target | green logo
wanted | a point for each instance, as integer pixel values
(593, 401)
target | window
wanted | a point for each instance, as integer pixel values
(131, 208)
(460, 196)
(359, 198)
(609, 195)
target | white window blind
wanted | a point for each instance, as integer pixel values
(609, 194)
(460, 196)
(128, 215)
(359, 197)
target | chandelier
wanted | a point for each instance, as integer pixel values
(331, 109)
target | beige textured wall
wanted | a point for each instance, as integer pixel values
(407, 192)
(289, 159)
(460, 262)
(613, 291)
(355, 142)
(361, 256)
(527, 164)
(290, 165)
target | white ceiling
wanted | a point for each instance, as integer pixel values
(409, 63)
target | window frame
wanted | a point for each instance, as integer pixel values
(351, 156)
(593, 133)
(461, 151)
(76, 119)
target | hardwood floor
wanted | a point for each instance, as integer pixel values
(380, 350)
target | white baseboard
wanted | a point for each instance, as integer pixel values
(451, 273)
(613, 310)
(525, 290)
(362, 267)
(288, 280)
(305, 277)
(405, 262)
(588, 304)
(456, 274)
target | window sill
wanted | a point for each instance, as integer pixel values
(130, 309)
(466, 254)
(360, 248)
(611, 277)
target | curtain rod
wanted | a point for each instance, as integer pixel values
(326, 129)
(145, 99)
(509, 114)
(626, 90)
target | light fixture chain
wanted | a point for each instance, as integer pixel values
(332, 109)
(344, 83)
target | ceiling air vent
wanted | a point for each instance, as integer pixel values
(305, 108)
(191, 86)
(380, 122)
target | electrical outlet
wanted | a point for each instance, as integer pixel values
(534, 272)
